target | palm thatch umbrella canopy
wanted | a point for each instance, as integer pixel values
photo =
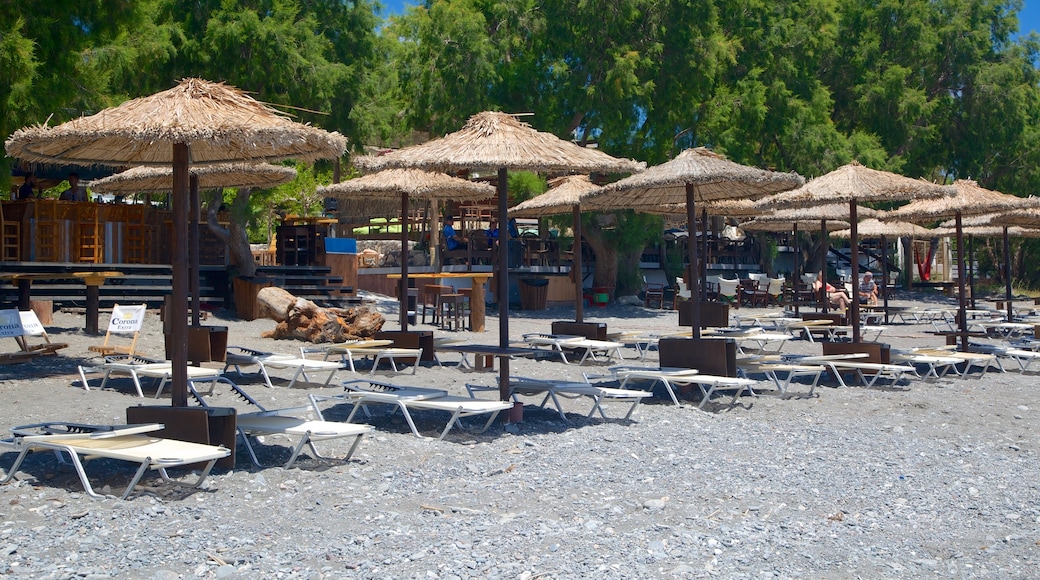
(408, 184)
(220, 124)
(968, 199)
(695, 175)
(875, 228)
(564, 193)
(500, 141)
(143, 178)
(1028, 217)
(854, 183)
(811, 219)
(196, 122)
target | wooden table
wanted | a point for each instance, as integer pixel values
(476, 306)
(93, 280)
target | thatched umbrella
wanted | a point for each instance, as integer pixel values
(854, 183)
(195, 123)
(814, 218)
(874, 228)
(143, 178)
(410, 183)
(563, 193)
(968, 199)
(694, 176)
(500, 141)
(998, 224)
(676, 213)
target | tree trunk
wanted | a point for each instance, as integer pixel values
(304, 320)
(235, 236)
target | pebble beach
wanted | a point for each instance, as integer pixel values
(924, 478)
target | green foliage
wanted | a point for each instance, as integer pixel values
(524, 185)
(930, 89)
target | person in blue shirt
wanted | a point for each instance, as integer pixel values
(514, 231)
(452, 240)
(492, 234)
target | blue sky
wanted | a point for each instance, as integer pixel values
(1028, 18)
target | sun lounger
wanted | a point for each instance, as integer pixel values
(238, 356)
(757, 340)
(1023, 357)
(362, 393)
(349, 353)
(290, 422)
(673, 377)
(847, 363)
(938, 365)
(124, 443)
(553, 390)
(138, 366)
(774, 368)
(970, 359)
(561, 343)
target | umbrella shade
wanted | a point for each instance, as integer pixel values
(1026, 217)
(196, 122)
(494, 140)
(873, 228)
(989, 231)
(138, 179)
(807, 225)
(695, 175)
(500, 141)
(712, 176)
(854, 183)
(734, 208)
(218, 122)
(415, 183)
(405, 184)
(968, 199)
(563, 194)
(827, 211)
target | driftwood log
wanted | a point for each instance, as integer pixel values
(304, 320)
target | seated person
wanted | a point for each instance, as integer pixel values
(452, 240)
(26, 189)
(74, 192)
(838, 299)
(868, 290)
(492, 234)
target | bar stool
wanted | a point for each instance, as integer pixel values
(432, 297)
(451, 316)
(467, 304)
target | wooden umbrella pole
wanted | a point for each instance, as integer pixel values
(403, 288)
(576, 269)
(178, 343)
(884, 273)
(702, 272)
(797, 268)
(193, 249)
(825, 246)
(1007, 273)
(962, 305)
(691, 216)
(971, 269)
(503, 282)
(854, 237)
